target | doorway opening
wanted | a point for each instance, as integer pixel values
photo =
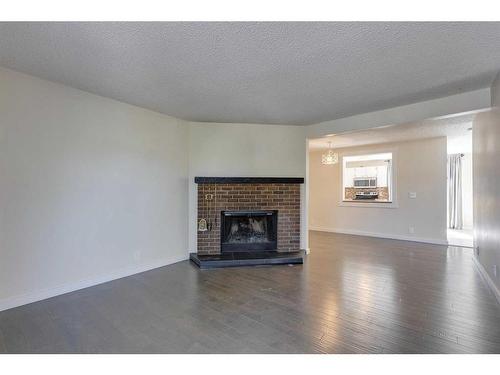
(459, 190)
(395, 181)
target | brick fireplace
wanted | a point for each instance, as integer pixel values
(252, 201)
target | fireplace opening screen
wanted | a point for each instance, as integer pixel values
(248, 230)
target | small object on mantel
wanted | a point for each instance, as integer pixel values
(249, 180)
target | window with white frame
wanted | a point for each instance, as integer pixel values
(367, 178)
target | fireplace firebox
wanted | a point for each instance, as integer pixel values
(249, 230)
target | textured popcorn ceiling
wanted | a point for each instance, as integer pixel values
(456, 128)
(277, 73)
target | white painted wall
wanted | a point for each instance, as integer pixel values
(467, 191)
(486, 153)
(420, 167)
(246, 150)
(91, 189)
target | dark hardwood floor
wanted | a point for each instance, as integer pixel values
(352, 295)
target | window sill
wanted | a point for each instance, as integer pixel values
(368, 204)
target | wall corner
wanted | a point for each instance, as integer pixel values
(495, 91)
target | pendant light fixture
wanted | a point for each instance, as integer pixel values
(330, 157)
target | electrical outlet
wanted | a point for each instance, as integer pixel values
(411, 230)
(412, 194)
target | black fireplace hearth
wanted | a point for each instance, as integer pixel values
(252, 258)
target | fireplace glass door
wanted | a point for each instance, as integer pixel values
(249, 230)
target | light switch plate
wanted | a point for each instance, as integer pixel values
(412, 194)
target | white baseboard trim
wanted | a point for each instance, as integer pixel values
(487, 279)
(38, 295)
(434, 241)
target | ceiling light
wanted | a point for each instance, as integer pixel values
(330, 157)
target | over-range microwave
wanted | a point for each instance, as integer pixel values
(365, 182)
